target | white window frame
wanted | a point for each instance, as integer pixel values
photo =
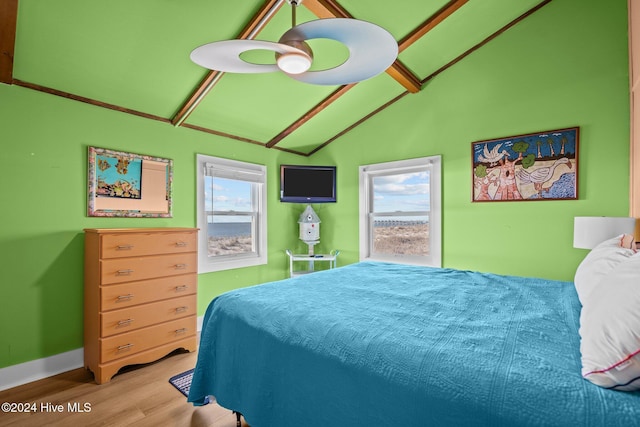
(366, 175)
(232, 169)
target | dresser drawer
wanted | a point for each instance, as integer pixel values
(124, 295)
(120, 270)
(122, 345)
(128, 319)
(140, 244)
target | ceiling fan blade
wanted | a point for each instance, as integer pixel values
(371, 49)
(225, 55)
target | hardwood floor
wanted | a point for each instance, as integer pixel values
(137, 396)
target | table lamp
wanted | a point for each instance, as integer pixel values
(590, 231)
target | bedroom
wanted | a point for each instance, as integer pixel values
(578, 77)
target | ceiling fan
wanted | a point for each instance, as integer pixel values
(371, 51)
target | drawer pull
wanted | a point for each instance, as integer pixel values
(182, 288)
(124, 347)
(181, 331)
(181, 244)
(124, 272)
(124, 297)
(124, 247)
(181, 309)
(125, 322)
(180, 266)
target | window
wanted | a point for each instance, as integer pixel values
(400, 211)
(232, 214)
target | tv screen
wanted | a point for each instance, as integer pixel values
(307, 184)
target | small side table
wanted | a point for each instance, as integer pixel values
(331, 258)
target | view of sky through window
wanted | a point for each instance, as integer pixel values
(402, 192)
(408, 192)
(223, 194)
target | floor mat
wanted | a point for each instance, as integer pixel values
(183, 383)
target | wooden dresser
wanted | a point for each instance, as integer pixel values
(139, 296)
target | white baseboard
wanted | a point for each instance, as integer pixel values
(13, 376)
(34, 370)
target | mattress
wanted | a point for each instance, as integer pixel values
(381, 344)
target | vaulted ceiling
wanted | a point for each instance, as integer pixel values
(133, 56)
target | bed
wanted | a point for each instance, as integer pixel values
(381, 344)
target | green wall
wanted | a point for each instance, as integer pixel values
(44, 155)
(564, 66)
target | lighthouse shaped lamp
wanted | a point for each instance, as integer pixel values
(309, 228)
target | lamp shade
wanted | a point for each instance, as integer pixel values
(590, 231)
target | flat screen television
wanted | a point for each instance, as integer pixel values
(307, 184)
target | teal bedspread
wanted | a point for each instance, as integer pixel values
(377, 344)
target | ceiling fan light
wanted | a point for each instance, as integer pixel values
(372, 49)
(293, 63)
(297, 60)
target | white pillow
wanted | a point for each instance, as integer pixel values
(610, 329)
(598, 264)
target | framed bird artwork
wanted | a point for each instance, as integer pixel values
(535, 166)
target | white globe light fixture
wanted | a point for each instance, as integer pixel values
(295, 62)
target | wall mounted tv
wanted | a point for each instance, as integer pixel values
(307, 184)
